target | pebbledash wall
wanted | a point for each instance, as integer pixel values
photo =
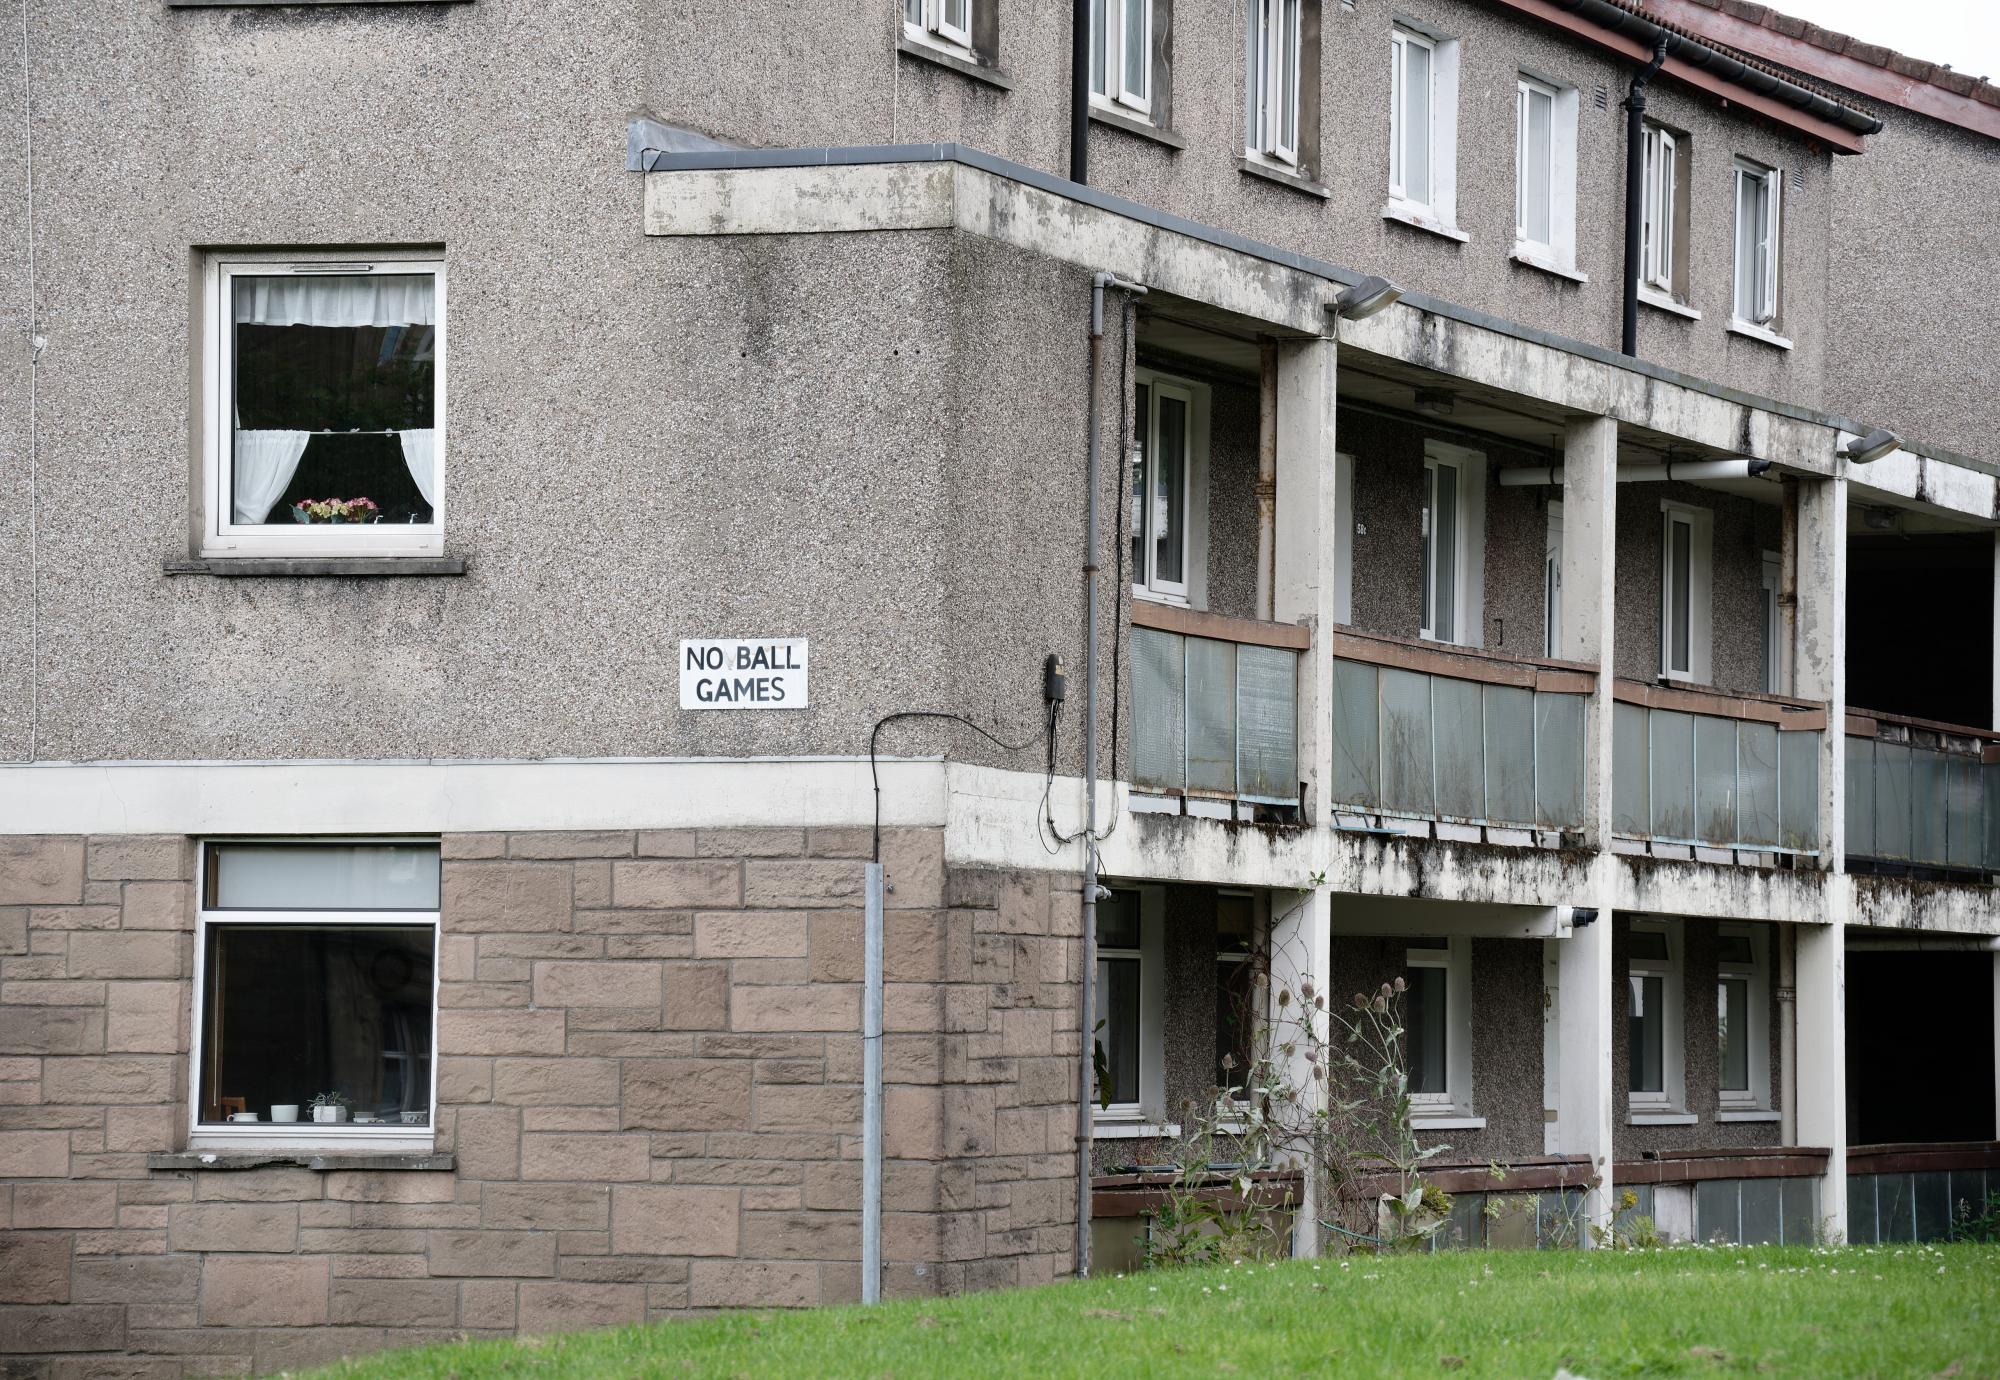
(648, 1100)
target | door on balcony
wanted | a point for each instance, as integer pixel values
(1168, 509)
(1552, 585)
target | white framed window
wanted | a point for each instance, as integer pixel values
(1235, 991)
(323, 405)
(1686, 603)
(1742, 1017)
(1437, 1027)
(1773, 625)
(1168, 502)
(1655, 1078)
(1758, 254)
(1552, 584)
(1130, 1008)
(1659, 190)
(1343, 537)
(1454, 532)
(947, 21)
(1534, 163)
(315, 995)
(1121, 53)
(1423, 129)
(1274, 80)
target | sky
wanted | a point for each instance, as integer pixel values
(1963, 33)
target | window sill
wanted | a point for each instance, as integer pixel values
(419, 1160)
(1136, 125)
(1752, 331)
(1748, 1114)
(1256, 167)
(1418, 219)
(962, 63)
(1528, 258)
(339, 566)
(1662, 1119)
(1661, 302)
(1153, 596)
(1132, 1130)
(1447, 1123)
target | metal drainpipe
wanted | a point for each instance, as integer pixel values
(871, 1088)
(1086, 1067)
(1635, 167)
(1079, 96)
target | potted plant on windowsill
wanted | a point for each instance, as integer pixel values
(329, 1107)
(336, 510)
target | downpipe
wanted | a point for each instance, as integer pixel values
(871, 1087)
(1635, 167)
(1086, 1068)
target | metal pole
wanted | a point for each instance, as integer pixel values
(1635, 166)
(871, 1089)
(1086, 1065)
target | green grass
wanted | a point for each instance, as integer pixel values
(1886, 1311)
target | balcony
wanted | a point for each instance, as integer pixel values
(1923, 798)
(1720, 777)
(1465, 745)
(1215, 718)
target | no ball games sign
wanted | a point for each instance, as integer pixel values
(743, 673)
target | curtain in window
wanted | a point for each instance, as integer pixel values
(400, 299)
(265, 464)
(420, 454)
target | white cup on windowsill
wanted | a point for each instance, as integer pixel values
(287, 1111)
(242, 1116)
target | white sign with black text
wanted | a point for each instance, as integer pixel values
(743, 673)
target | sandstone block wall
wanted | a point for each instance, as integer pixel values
(649, 1076)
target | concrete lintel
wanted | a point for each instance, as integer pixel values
(797, 201)
(1398, 916)
(1906, 479)
(1944, 908)
(1369, 865)
(1650, 886)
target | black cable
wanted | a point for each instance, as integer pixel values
(874, 776)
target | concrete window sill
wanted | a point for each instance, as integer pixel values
(421, 1161)
(1136, 125)
(1529, 258)
(1749, 330)
(1132, 1130)
(1748, 1114)
(1661, 302)
(1419, 219)
(1662, 1119)
(1283, 177)
(1447, 1123)
(960, 63)
(240, 567)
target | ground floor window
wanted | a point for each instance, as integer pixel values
(316, 990)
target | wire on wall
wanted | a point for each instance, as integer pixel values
(902, 715)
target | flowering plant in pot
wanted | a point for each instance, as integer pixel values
(336, 510)
(329, 1106)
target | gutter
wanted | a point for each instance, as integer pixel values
(1634, 36)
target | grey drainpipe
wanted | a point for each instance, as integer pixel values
(871, 1086)
(1086, 1065)
(1635, 167)
(1079, 94)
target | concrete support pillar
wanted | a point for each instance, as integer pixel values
(1819, 668)
(1302, 590)
(1589, 616)
(1301, 963)
(1304, 528)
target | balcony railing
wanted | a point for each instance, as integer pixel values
(1922, 795)
(1699, 768)
(1215, 705)
(1427, 732)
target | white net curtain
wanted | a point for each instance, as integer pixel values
(266, 460)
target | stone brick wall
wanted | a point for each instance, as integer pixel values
(649, 1076)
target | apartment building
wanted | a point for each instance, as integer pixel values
(748, 404)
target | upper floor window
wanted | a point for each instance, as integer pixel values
(1545, 174)
(1121, 53)
(1659, 202)
(1423, 129)
(1686, 608)
(949, 21)
(315, 982)
(1169, 487)
(1758, 217)
(1275, 68)
(1454, 526)
(323, 406)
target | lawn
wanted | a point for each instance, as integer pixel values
(1884, 1311)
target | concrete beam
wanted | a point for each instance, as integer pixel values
(1398, 917)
